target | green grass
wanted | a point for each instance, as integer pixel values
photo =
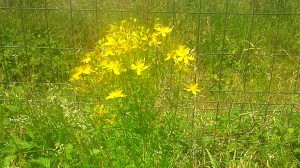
(248, 67)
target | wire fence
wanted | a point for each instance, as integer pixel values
(247, 54)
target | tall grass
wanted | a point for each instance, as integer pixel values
(246, 65)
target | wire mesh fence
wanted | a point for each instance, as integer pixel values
(247, 61)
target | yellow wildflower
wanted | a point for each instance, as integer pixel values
(144, 33)
(121, 41)
(87, 69)
(108, 51)
(115, 94)
(183, 53)
(115, 67)
(153, 40)
(134, 34)
(104, 63)
(172, 54)
(110, 41)
(126, 46)
(75, 77)
(163, 30)
(192, 88)
(139, 67)
(87, 58)
(79, 70)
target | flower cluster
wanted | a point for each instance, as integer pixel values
(182, 54)
(121, 49)
(128, 50)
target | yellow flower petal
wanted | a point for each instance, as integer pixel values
(87, 69)
(115, 94)
(115, 67)
(139, 67)
(192, 88)
(163, 30)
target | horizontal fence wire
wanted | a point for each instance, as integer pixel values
(143, 11)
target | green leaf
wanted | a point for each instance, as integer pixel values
(12, 108)
(45, 162)
(212, 160)
(69, 149)
(25, 144)
(8, 160)
(95, 152)
(296, 151)
(290, 130)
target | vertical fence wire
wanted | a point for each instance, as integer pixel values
(220, 71)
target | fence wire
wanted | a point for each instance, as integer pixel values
(41, 42)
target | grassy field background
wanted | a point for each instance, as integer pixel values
(247, 65)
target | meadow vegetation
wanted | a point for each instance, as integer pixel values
(156, 83)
